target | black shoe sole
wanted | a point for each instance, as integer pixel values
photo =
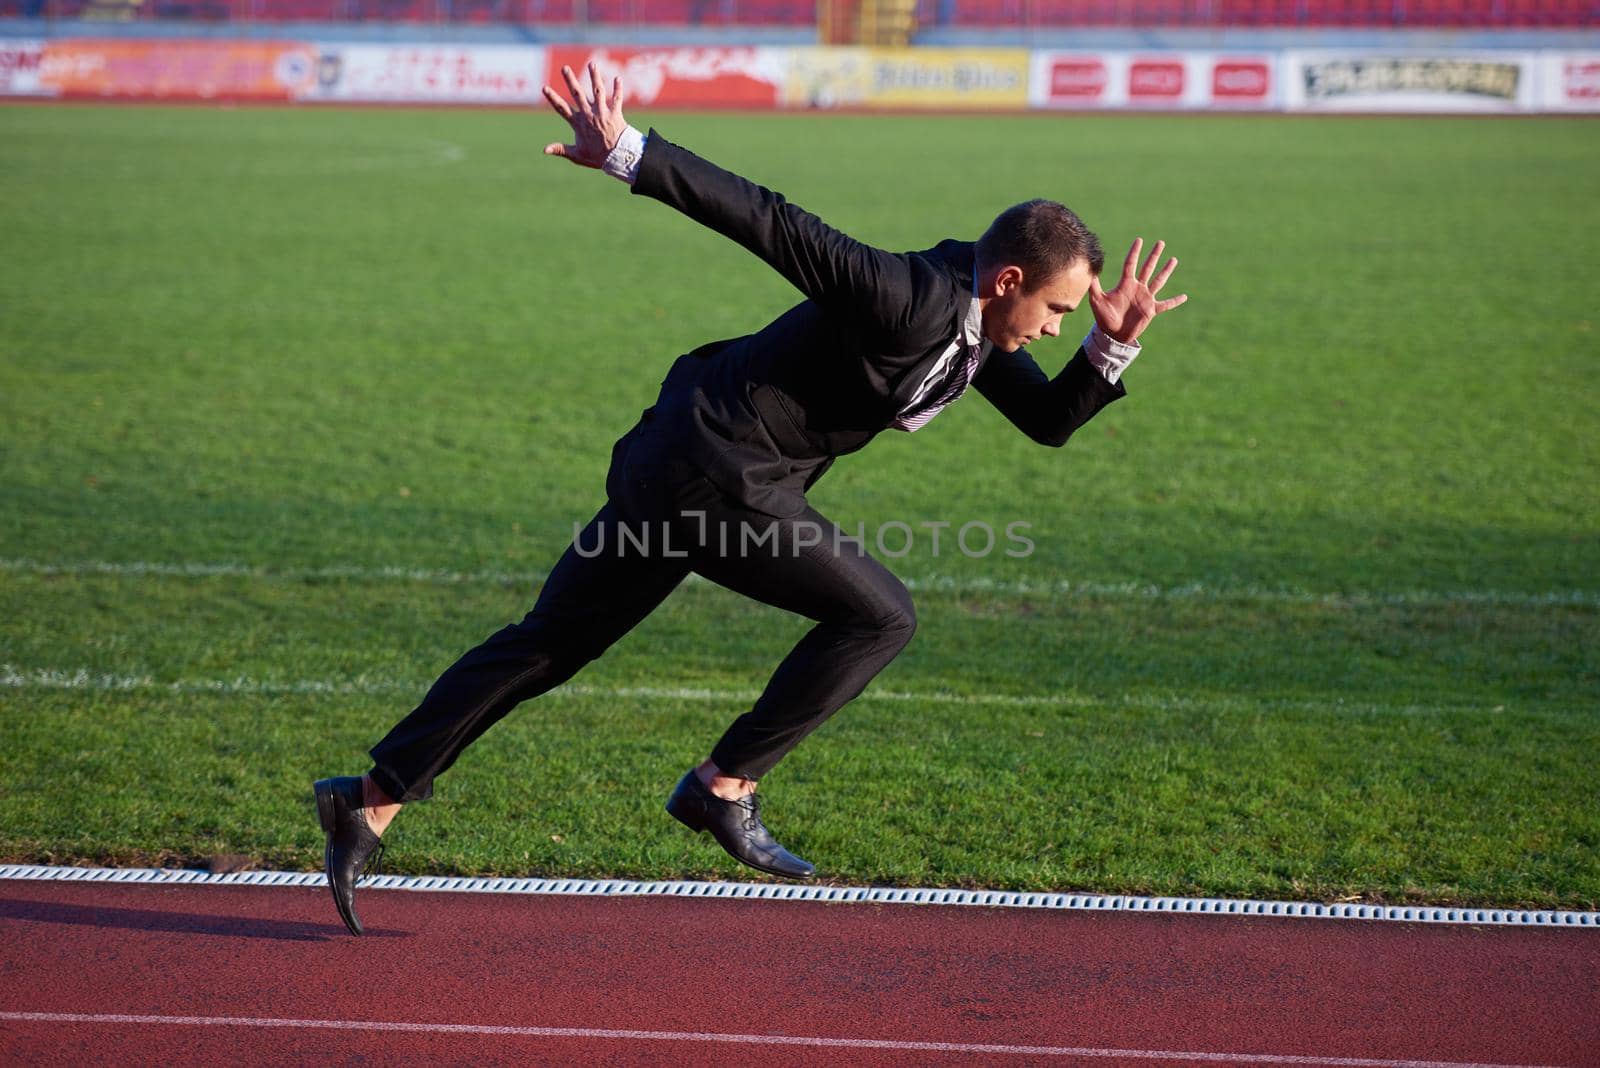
(774, 871)
(325, 814)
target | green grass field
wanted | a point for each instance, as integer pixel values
(295, 406)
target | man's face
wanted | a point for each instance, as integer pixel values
(1021, 313)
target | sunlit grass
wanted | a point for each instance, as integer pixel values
(307, 340)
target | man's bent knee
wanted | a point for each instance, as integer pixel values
(899, 620)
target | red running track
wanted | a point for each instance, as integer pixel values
(188, 975)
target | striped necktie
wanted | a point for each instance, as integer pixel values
(920, 412)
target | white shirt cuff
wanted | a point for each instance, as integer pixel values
(1109, 357)
(623, 162)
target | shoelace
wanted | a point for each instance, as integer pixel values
(752, 806)
(374, 865)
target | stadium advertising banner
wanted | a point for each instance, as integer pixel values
(948, 78)
(936, 79)
(428, 74)
(1172, 81)
(1410, 81)
(828, 78)
(156, 69)
(1570, 81)
(684, 77)
(758, 78)
(956, 78)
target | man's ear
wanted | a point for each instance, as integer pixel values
(1007, 279)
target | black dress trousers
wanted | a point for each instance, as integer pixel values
(664, 518)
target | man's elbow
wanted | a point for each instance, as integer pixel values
(1055, 437)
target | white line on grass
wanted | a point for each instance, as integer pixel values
(934, 583)
(22, 678)
(136, 569)
(813, 1042)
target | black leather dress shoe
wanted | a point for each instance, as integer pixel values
(737, 827)
(350, 841)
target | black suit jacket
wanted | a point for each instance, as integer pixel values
(764, 415)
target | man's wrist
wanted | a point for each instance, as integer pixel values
(1108, 355)
(622, 162)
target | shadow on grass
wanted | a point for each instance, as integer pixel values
(1169, 543)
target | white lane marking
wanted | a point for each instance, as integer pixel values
(816, 1042)
(934, 583)
(22, 678)
(835, 895)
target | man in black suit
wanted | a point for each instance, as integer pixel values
(713, 477)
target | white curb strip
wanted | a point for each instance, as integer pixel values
(832, 894)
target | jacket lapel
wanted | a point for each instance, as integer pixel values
(960, 257)
(956, 257)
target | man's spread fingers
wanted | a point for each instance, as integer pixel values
(599, 86)
(577, 90)
(616, 93)
(1166, 273)
(555, 149)
(1168, 305)
(1132, 262)
(557, 103)
(1151, 261)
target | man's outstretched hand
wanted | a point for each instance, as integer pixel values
(597, 121)
(1124, 312)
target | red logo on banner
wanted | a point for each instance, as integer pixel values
(1155, 78)
(681, 77)
(1247, 79)
(1582, 81)
(19, 67)
(19, 59)
(1077, 79)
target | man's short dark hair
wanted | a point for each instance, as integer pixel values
(1043, 238)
